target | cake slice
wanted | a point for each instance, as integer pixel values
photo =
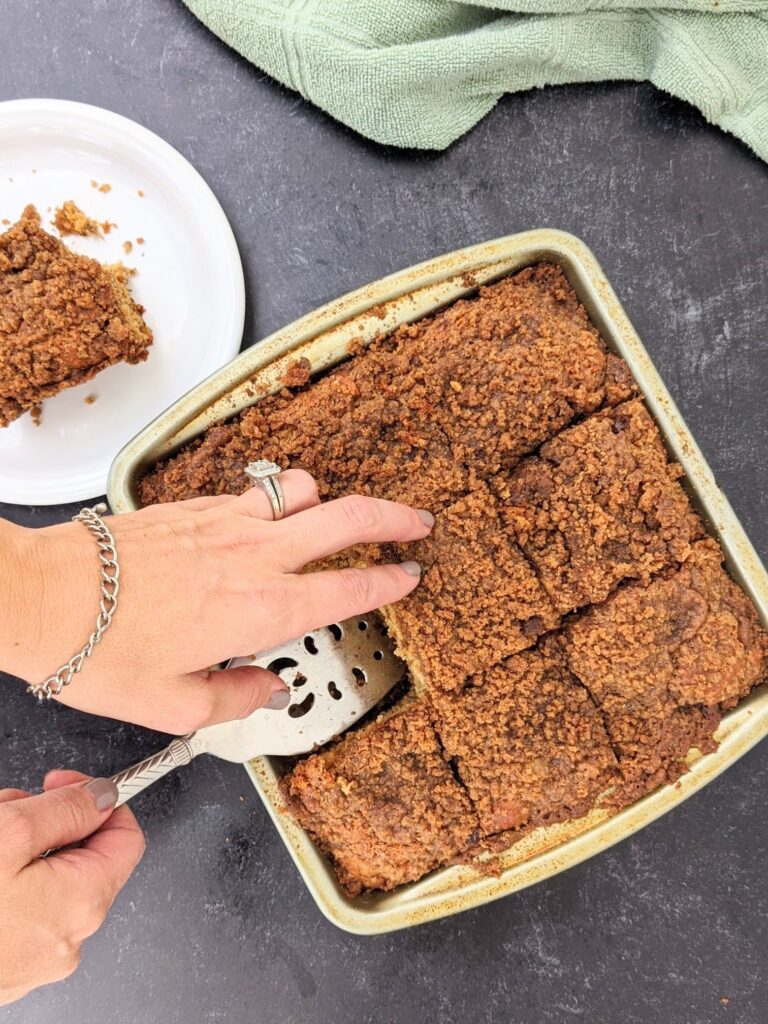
(599, 504)
(511, 366)
(63, 317)
(528, 742)
(478, 602)
(662, 659)
(383, 803)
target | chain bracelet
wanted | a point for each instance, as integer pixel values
(110, 585)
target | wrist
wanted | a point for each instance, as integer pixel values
(45, 609)
(18, 568)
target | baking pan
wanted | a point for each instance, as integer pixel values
(323, 337)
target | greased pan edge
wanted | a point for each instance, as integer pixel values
(322, 336)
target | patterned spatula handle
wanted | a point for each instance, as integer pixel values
(138, 777)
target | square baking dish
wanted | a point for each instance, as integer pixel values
(323, 337)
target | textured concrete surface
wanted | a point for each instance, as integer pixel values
(215, 925)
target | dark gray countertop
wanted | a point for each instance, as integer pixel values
(216, 925)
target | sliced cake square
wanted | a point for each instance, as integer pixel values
(383, 804)
(528, 742)
(601, 503)
(479, 600)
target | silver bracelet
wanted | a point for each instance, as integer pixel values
(110, 585)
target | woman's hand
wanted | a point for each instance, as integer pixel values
(200, 582)
(49, 907)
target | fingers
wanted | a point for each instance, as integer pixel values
(6, 795)
(58, 777)
(119, 838)
(56, 818)
(319, 598)
(226, 696)
(299, 493)
(95, 871)
(339, 524)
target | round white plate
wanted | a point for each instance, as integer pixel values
(189, 279)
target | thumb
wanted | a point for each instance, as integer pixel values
(237, 692)
(57, 818)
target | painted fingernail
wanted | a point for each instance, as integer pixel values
(103, 792)
(279, 700)
(412, 568)
(426, 517)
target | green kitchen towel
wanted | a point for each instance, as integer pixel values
(422, 72)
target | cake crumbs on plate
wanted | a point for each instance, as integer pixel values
(69, 219)
(127, 247)
(107, 225)
(104, 187)
(5, 221)
(36, 412)
(140, 240)
(89, 399)
(140, 193)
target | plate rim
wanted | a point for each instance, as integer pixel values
(90, 484)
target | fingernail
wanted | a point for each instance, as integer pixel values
(279, 700)
(104, 793)
(412, 568)
(426, 517)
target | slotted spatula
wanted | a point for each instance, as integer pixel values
(336, 674)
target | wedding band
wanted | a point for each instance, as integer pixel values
(264, 474)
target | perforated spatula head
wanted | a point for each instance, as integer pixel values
(336, 674)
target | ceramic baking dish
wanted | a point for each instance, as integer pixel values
(322, 337)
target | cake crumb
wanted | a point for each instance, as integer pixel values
(298, 373)
(89, 399)
(105, 187)
(140, 240)
(107, 225)
(36, 412)
(140, 193)
(69, 219)
(724, 1000)
(5, 221)
(127, 247)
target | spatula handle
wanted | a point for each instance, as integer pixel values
(137, 778)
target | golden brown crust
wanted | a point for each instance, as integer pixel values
(529, 744)
(599, 504)
(63, 318)
(383, 804)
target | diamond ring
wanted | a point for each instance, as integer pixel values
(264, 474)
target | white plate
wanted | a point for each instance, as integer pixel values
(189, 278)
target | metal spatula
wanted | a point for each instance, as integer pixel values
(336, 675)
